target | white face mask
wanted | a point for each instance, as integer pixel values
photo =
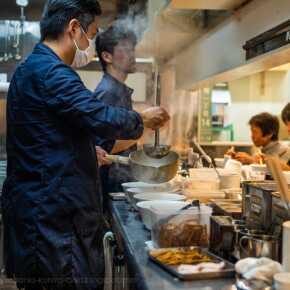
(84, 57)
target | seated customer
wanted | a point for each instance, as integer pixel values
(265, 131)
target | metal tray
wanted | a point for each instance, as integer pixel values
(227, 272)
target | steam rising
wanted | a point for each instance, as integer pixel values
(135, 20)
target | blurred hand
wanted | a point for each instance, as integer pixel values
(244, 158)
(154, 117)
(101, 156)
(260, 158)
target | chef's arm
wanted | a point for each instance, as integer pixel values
(123, 145)
(67, 97)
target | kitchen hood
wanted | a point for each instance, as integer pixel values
(170, 30)
(206, 4)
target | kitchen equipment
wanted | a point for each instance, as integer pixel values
(254, 243)
(258, 204)
(156, 150)
(16, 42)
(227, 272)
(228, 207)
(6, 46)
(147, 169)
(184, 228)
(279, 215)
(221, 235)
(193, 143)
(144, 208)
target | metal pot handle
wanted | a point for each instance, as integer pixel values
(241, 243)
(248, 238)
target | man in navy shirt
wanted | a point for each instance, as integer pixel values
(116, 51)
(51, 212)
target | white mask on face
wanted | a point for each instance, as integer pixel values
(84, 57)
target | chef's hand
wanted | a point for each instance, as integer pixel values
(154, 117)
(244, 158)
(101, 156)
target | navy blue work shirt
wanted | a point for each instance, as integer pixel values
(51, 212)
(115, 93)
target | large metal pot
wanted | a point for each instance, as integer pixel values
(148, 169)
(257, 244)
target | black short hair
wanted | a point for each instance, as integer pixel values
(286, 114)
(107, 40)
(58, 13)
(268, 123)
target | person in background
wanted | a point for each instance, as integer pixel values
(51, 207)
(116, 51)
(264, 133)
(285, 114)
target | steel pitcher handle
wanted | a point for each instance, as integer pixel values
(241, 243)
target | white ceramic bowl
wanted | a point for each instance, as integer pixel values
(158, 196)
(148, 186)
(131, 188)
(144, 208)
(130, 192)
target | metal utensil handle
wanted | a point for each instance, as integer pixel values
(118, 159)
(241, 243)
(157, 101)
(157, 138)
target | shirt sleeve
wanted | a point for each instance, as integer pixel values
(67, 96)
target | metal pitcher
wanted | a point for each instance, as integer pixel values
(257, 244)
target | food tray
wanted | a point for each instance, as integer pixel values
(227, 272)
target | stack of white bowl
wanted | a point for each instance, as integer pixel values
(132, 188)
(143, 195)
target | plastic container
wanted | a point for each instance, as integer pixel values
(183, 229)
(144, 208)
